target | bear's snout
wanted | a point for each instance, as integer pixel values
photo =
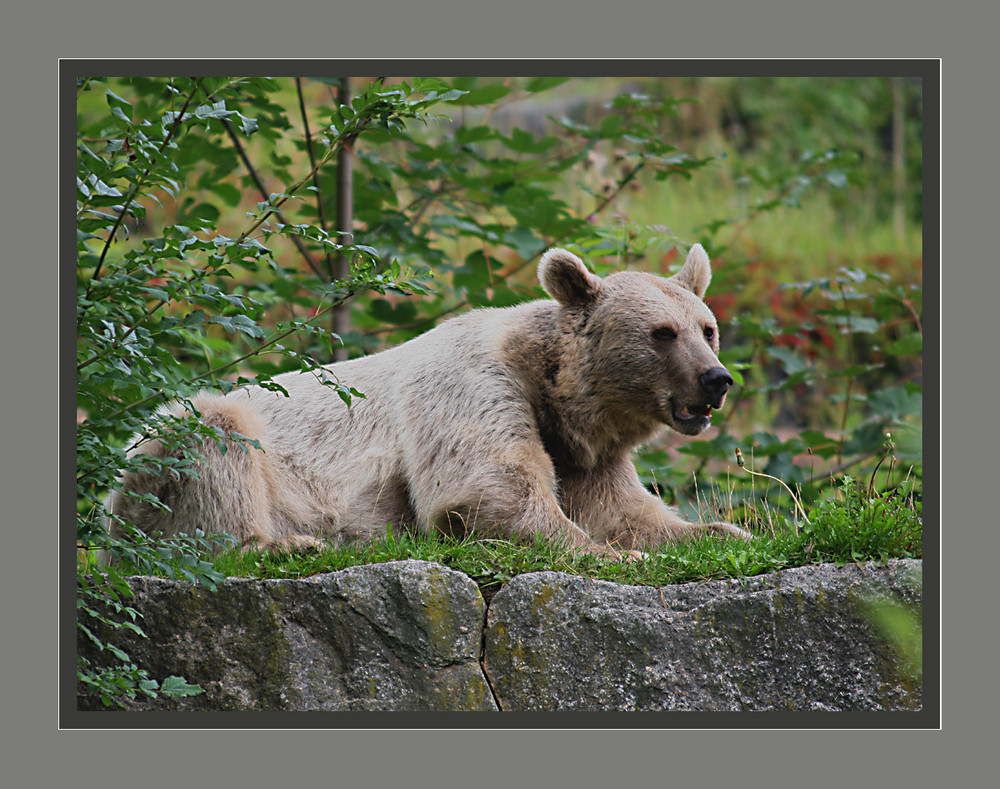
(715, 382)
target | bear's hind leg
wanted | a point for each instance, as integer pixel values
(231, 493)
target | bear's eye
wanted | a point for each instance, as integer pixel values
(664, 333)
(709, 333)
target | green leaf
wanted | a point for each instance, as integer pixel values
(909, 345)
(247, 125)
(611, 125)
(216, 110)
(475, 274)
(117, 112)
(820, 444)
(867, 438)
(767, 444)
(238, 323)
(383, 311)
(451, 95)
(115, 97)
(469, 134)
(539, 84)
(791, 362)
(230, 195)
(487, 94)
(523, 241)
(156, 293)
(524, 142)
(203, 211)
(857, 324)
(195, 318)
(896, 403)
(177, 686)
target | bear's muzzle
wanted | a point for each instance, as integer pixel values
(715, 383)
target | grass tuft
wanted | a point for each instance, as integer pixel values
(849, 526)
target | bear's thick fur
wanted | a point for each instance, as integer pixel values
(505, 422)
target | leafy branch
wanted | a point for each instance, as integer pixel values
(348, 291)
(252, 171)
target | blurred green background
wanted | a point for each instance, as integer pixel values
(807, 193)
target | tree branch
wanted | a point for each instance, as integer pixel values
(321, 214)
(299, 245)
(136, 186)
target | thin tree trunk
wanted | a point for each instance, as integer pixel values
(345, 223)
(898, 156)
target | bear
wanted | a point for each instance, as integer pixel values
(504, 422)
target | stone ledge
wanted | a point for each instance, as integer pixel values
(793, 640)
(396, 636)
(410, 636)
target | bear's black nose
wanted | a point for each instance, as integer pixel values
(716, 383)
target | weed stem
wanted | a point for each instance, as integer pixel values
(795, 499)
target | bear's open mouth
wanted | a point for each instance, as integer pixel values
(692, 414)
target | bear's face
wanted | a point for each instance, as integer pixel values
(649, 344)
(653, 346)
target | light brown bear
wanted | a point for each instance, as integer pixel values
(503, 422)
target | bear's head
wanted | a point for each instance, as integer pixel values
(649, 345)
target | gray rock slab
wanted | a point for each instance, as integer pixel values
(799, 639)
(395, 636)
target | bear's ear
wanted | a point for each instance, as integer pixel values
(567, 280)
(696, 272)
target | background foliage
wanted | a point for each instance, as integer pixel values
(209, 255)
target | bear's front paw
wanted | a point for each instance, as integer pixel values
(291, 543)
(611, 554)
(608, 553)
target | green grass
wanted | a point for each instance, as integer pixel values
(848, 527)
